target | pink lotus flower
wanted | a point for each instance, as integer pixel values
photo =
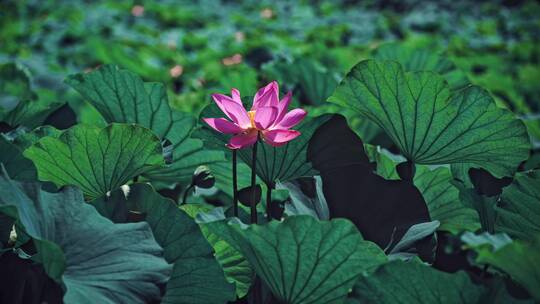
(268, 118)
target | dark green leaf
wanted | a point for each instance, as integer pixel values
(97, 261)
(518, 212)
(315, 82)
(18, 102)
(385, 161)
(381, 209)
(429, 124)
(244, 195)
(14, 86)
(302, 259)
(16, 165)
(414, 60)
(26, 139)
(413, 282)
(197, 277)
(121, 96)
(519, 260)
(484, 205)
(443, 201)
(236, 268)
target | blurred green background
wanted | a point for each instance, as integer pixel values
(202, 47)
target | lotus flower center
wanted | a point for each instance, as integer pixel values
(251, 115)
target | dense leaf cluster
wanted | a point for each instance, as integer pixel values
(415, 179)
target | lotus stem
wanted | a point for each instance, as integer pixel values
(269, 202)
(253, 204)
(184, 197)
(235, 183)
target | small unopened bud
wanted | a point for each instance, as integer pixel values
(202, 178)
(244, 195)
(13, 235)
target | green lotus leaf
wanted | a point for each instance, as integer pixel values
(429, 124)
(96, 160)
(94, 259)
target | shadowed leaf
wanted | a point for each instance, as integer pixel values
(96, 260)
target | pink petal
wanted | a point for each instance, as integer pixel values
(291, 119)
(267, 96)
(265, 117)
(282, 107)
(242, 140)
(233, 110)
(222, 125)
(236, 96)
(278, 138)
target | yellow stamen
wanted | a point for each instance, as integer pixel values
(251, 115)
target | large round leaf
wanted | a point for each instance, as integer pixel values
(197, 277)
(122, 96)
(235, 266)
(518, 212)
(97, 261)
(383, 210)
(313, 81)
(274, 164)
(18, 103)
(419, 59)
(304, 260)
(16, 165)
(430, 125)
(519, 260)
(96, 160)
(441, 196)
(413, 282)
(442, 199)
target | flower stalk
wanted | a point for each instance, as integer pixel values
(235, 183)
(269, 202)
(253, 203)
(186, 192)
